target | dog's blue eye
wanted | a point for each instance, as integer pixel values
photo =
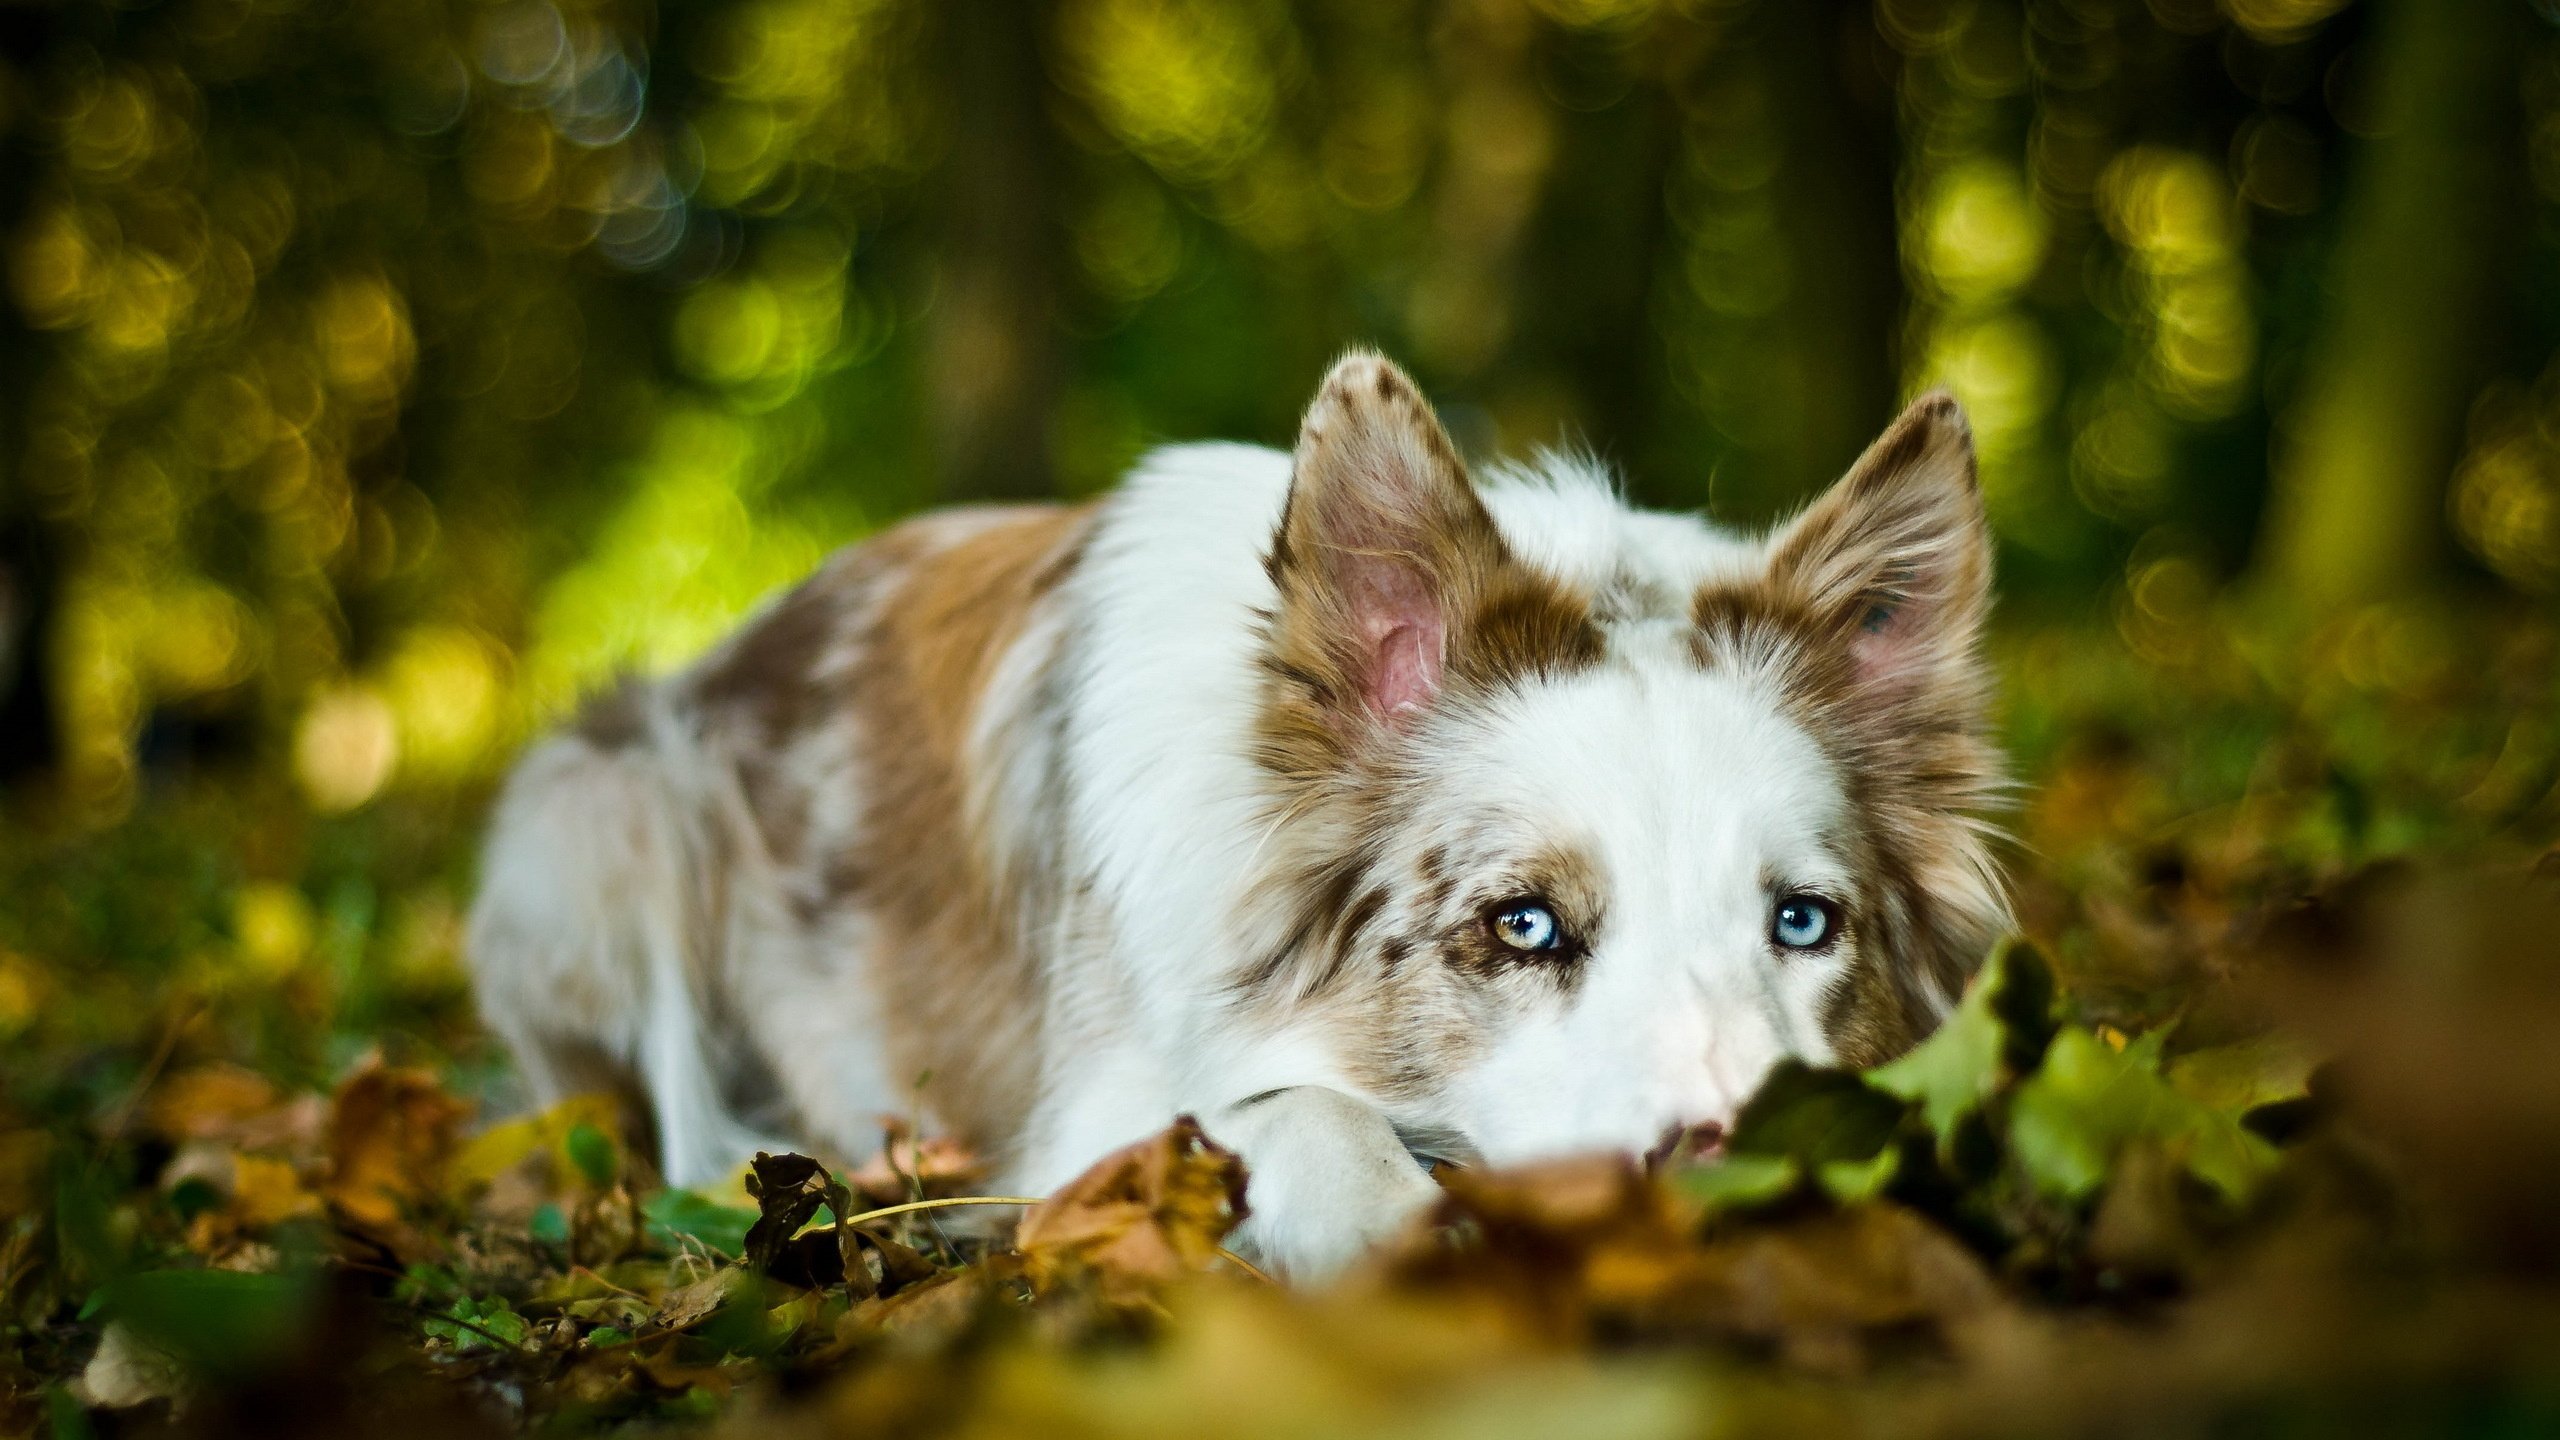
(1803, 922)
(1528, 925)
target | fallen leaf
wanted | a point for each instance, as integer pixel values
(235, 1106)
(689, 1305)
(390, 1133)
(1144, 1215)
(2069, 1120)
(2246, 1074)
(1997, 1034)
(678, 1218)
(1822, 1287)
(510, 1143)
(788, 1191)
(128, 1370)
(266, 1192)
(1534, 1235)
(1815, 1116)
(208, 1102)
(223, 1323)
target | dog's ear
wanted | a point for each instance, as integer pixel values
(1383, 551)
(1894, 561)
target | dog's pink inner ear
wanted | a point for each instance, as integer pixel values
(1408, 670)
(1899, 549)
(1895, 633)
(1391, 607)
(1381, 523)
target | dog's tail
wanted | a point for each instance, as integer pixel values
(591, 940)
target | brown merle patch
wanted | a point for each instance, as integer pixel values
(768, 671)
(959, 994)
(615, 719)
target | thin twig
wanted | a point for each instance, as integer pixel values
(886, 1211)
(1247, 1266)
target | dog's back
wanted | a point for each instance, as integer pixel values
(700, 895)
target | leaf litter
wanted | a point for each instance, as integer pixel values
(2253, 1133)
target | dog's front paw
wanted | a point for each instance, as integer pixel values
(1324, 1190)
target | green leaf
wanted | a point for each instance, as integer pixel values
(1997, 1034)
(1853, 1181)
(426, 1283)
(550, 1224)
(2238, 1078)
(1738, 1181)
(193, 1196)
(67, 1419)
(675, 1216)
(1816, 1116)
(592, 1151)
(491, 1321)
(2229, 1156)
(2069, 1121)
(222, 1322)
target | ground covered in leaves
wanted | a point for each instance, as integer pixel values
(2256, 1128)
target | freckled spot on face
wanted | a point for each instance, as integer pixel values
(1435, 864)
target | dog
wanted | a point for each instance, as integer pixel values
(1373, 817)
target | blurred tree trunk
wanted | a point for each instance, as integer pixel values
(30, 546)
(995, 358)
(2362, 455)
(1591, 263)
(1835, 194)
(29, 586)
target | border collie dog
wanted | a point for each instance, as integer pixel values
(1372, 814)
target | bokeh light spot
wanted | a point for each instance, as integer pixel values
(346, 747)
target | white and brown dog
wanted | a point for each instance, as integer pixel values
(1365, 813)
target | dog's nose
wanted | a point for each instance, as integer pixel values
(1699, 1140)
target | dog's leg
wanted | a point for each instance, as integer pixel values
(699, 1141)
(1328, 1178)
(586, 936)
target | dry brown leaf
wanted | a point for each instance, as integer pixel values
(235, 1106)
(689, 1305)
(1539, 1231)
(391, 1132)
(1578, 1246)
(1818, 1287)
(934, 1310)
(1580, 1200)
(1146, 1214)
(208, 1102)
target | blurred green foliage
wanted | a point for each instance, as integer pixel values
(374, 379)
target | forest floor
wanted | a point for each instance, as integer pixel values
(2256, 1130)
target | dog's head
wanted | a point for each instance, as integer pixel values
(1567, 853)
